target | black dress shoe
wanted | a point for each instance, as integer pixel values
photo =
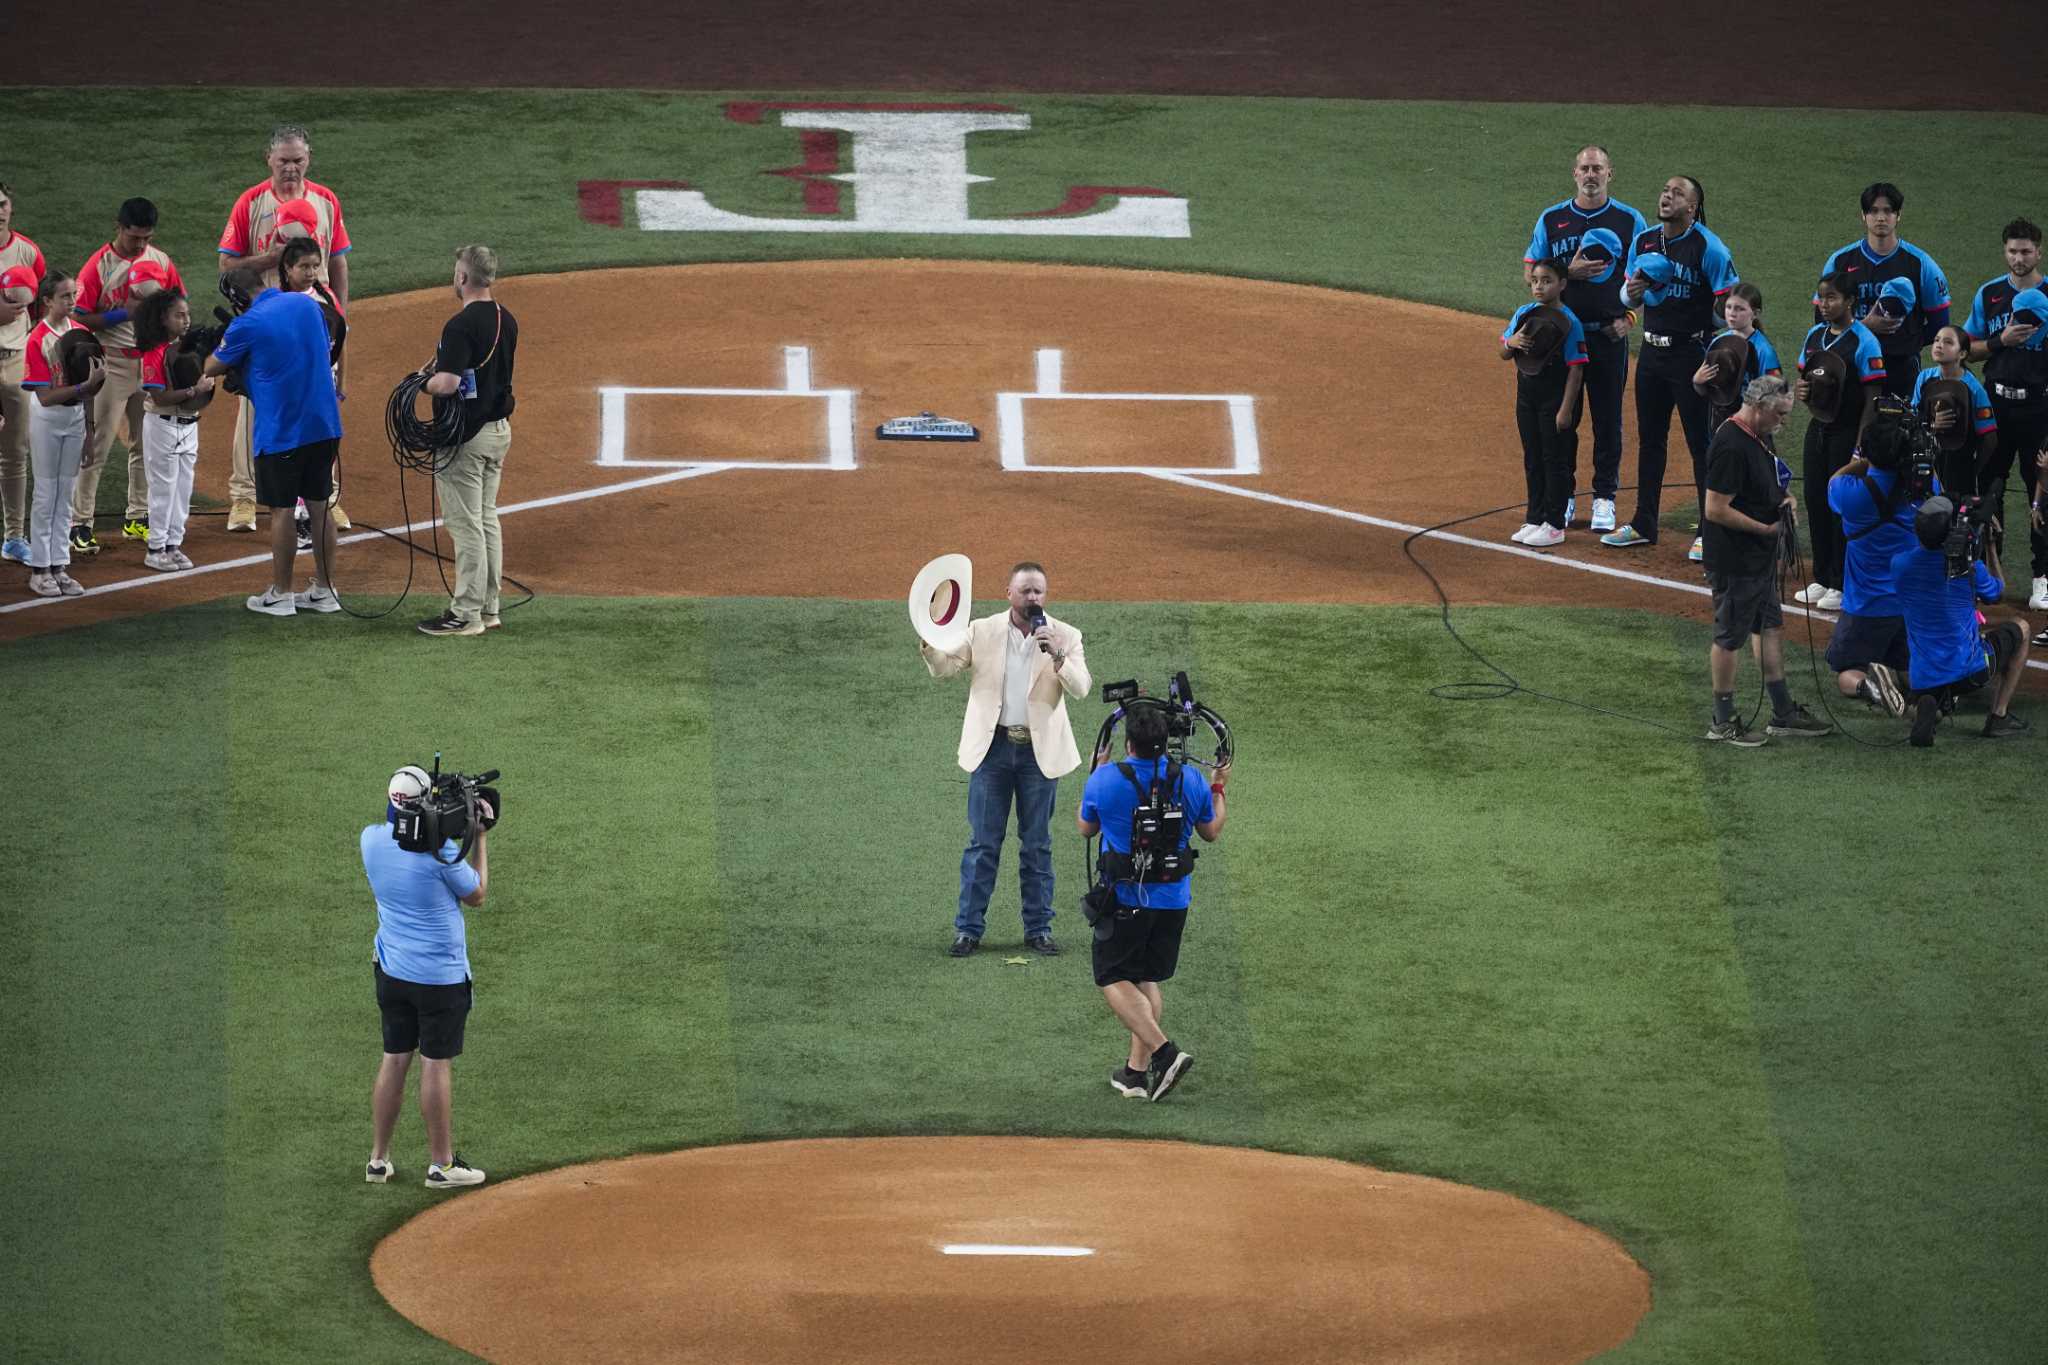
(964, 945)
(1043, 945)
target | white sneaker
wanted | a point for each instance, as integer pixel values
(2039, 601)
(317, 598)
(1809, 595)
(1831, 600)
(456, 1174)
(1543, 537)
(1529, 528)
(1603, 514)
(43, 584)
(68, 585)
(184, 560)
(273, 604)
(163, 561)
(378, 1172)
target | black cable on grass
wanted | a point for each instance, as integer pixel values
(1509, 685)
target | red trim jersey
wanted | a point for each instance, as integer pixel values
(252, 225)
(40, 366)
(103, 287)
(156, 378)
(20, 251)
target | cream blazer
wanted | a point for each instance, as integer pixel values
(985, 656)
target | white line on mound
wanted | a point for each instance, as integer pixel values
(1495, 547)
(1001, 1249)
(247, 561)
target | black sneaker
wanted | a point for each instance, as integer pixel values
(83, 541)
(1733, 731)
(1168, 1065)
(963, 945)
(2006, 726)
(1128, 1082)
(1798, 722)
(1926, 715)
(448, 623)
(1043, 945)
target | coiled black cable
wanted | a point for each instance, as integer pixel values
(422, 446)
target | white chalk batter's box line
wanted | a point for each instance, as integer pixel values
(796, 383)
(1244, 428)
(839, 423)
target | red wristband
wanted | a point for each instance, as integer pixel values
(1216, 789)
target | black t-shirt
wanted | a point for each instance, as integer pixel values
(482, 337)
(1740, 465)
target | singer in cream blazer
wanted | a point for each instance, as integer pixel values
(1015, 765)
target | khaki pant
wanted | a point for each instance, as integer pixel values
(14, 405)
(468, 489)
(242, 468)
(120, 396)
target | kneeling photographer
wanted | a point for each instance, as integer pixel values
(1939, 582)
(425, 861)
(1145, 808)
(1877, 494)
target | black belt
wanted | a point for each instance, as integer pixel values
(173, 417)
(2008, 392)
(1657, 339)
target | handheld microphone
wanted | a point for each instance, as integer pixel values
(1038, 620)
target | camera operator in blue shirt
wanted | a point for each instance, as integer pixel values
(421, 971)
(1137, 938)
(1873, 497)
(1953, 655)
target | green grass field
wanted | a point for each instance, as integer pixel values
(1715, 1003)
(1772, 1019)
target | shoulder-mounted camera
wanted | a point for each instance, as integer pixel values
(446, 812)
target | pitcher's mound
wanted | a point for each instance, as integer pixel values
(941, 1251)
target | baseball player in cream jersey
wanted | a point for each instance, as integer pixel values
(107, 287)
(264, 218)
(21, 274)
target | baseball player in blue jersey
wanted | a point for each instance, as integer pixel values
(1881, 256)
(1678, 270)
(2008, 330)
(1594, 231)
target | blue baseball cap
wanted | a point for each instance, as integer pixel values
(1656, 268)
(1600, 244)
(2034, 302)
(1897, 297)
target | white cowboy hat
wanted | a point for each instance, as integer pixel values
(942, 601)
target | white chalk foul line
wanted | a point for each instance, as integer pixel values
(1492, 546)
(247, 561)
(1000, 1249)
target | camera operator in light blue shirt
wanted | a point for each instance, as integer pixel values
(421, 973)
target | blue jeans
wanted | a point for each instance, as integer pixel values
(1009, 773)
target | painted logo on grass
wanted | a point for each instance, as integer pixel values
(906, 165)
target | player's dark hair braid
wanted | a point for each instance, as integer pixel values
(1699, 198)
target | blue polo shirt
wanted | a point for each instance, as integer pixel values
(1941, 616)
(1867, 579)
(1109, 799)
(419, 910)
(281, 343)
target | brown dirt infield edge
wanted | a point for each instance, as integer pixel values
(830, 1249)
(1337, 427)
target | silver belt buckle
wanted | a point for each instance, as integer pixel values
(1017, 734)
(2007, 391)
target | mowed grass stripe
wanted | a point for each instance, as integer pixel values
(600, 1019)
(114, 1083)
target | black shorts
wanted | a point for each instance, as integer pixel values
(305, 471)
(1744, 606)
(1144, 946)
(427, 1018)
(1860, 641)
